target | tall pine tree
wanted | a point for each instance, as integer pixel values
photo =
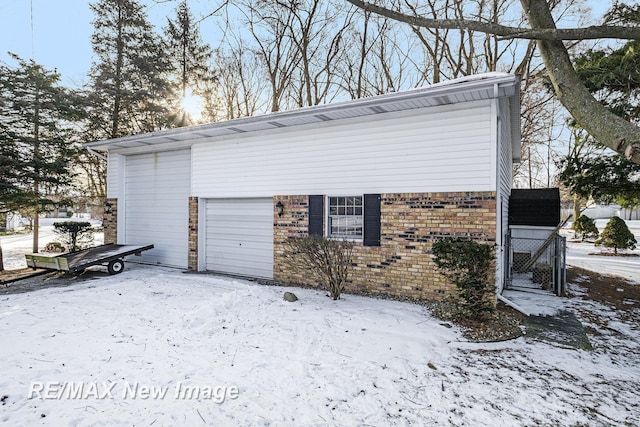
(191, 74)
(127, 80)
(35, 139)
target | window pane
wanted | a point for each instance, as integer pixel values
(345, 217)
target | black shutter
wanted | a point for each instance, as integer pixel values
(371, 220)
(316, 215)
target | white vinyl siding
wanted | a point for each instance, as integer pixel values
(505, 178)
(437, 149)
(115, 168)
(239, 236)
(156, 208)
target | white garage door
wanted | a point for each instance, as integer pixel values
(240, 236)
(157, 187)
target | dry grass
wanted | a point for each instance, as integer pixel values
(613, 291)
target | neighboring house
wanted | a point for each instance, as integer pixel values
(11, 221)
(393, 172)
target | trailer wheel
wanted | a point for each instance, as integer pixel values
(116, 266)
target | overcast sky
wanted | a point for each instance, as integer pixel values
(62, 31)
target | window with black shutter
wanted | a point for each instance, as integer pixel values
(354, 218)
(344, 218)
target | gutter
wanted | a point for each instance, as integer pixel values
(95, 153)
(489, 82)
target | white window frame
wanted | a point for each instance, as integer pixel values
(328, 217)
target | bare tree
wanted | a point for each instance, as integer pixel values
(357, 64)
(269, 25)
(241, 83)
(380, 57)
(608, 128)
(317, 30)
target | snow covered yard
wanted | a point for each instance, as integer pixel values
(136, 341)
(14, 246)
(585, 254)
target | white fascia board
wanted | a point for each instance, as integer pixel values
(363, 107)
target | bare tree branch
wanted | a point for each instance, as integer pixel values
(606, 127)
(585, 33)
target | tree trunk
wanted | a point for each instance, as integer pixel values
(576, 211)
(115, 114)
(608, 128)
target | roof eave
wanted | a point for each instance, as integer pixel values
(496, 84)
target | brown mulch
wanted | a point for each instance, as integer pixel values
(503, 324)
(619, 254)
(616, 292)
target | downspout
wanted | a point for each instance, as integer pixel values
(513, 305)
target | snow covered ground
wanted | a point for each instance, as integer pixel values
(156, 346)
(122, 350)
(581, 254)
(14, 246)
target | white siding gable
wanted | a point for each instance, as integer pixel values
(115, 171)
(438, 149)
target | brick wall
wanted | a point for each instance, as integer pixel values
(192, 263)
(110, 222)
(410, 223)
(294, 222)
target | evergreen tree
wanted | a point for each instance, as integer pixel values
(630, 201)
(613, 74)
(76, 235)
(602, 178)
(617, 235)
(189, 57)
(35, 131)
(586, 226)
(127, 84)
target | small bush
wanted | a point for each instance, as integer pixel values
(586, 227)
(470, 266)
(617, 235)
(329, 261)
(74, 234)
